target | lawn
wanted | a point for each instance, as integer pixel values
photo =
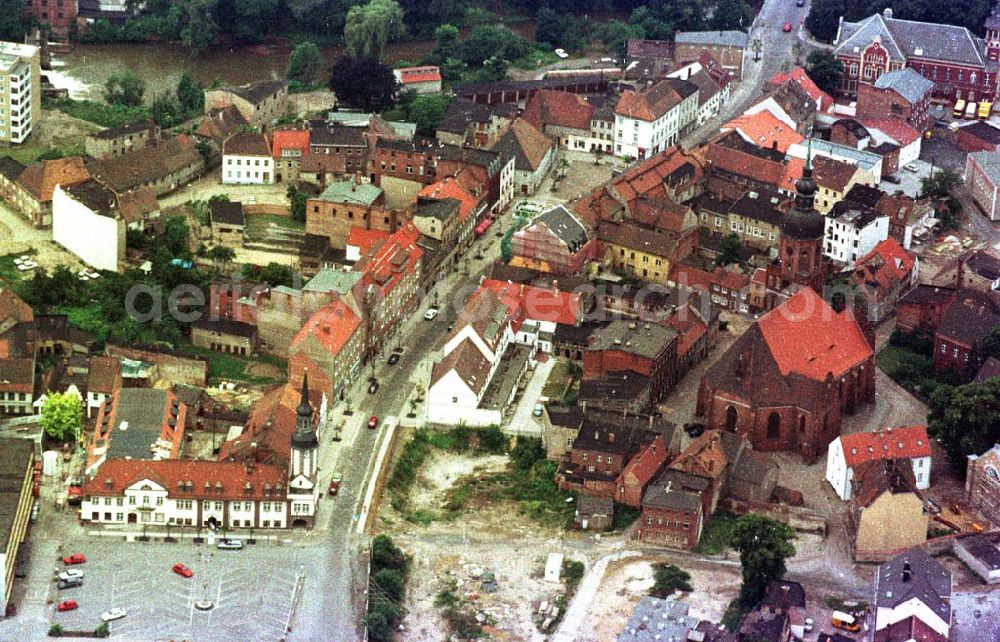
(8, 271)
(715, 537)
(558, 380)
(910, 369)
(539, 57)
(262, 221)
(34, 147)
(101, 113)
(229, 367)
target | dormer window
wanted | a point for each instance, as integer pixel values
(109, 483)
(218, 488)
(267, 490)
(208, 487)
(248, 488)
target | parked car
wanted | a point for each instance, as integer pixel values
(373, 387)
(911, 167)
(70, 573)
(891, 178)
(230, 544)
(182, 570)
(72, 582)
(538, 410)
(394, 358)
(75, 558)
(844, 621)
(800, 3)
(373, 421)
(787, 27)
(562, 53)
(113, 614)
(430, 314)
(67, 605)
(335, 485)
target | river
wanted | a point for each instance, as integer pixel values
(86, 67)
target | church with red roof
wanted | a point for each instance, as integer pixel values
(789, 380)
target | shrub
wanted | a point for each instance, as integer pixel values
(102, 630)
(385, 554)
(572, 573)
(55, 630)
(390, 583)
(669, 578)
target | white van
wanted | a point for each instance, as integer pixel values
(230, 544)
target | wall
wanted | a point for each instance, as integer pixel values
(98, 240)
(174, 367)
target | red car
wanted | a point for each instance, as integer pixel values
(373, 421)
(787, 28)
(75, 558)
(182, 570)
(68, 605)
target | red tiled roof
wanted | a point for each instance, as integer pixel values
(270, 425)
(332, 326)
(827, 172)
(741, 163)
(560, 108)
(364, 239)
(650, 104)
(648, 461)
(40, 179)
(409, 75)
(888, 263)
(13, 307)
(17, 375)
(690, 329)
(289, 139)
(894, 128)
(806, 336)
(116, 475)
(388, 262)
(541, 304)
(798, 74)
(451, 188)
(893, 443)
(763, 129)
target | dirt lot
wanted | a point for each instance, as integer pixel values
(625, 582)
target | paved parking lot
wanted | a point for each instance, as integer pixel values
(253, 590)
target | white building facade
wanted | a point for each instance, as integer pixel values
(247, 170)
(852, 234)
(847, 452)
(20, 91)
(97, 237)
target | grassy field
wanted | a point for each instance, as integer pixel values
(9, 273)
(261, 221)
(715, 537)
(229, 367)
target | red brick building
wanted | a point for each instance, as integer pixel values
(58, 15)
(951, 57)
(903, 94)
(787, 382)
(922, 308)
(980, 136)
(647, 349)
(555, 242)
(968, 320)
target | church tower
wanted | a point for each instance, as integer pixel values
(800, 249)
(993, 34)
(303, 465)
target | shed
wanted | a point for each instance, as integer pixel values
(594, 513)
(553, 567)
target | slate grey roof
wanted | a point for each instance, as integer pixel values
(228, 213)
(989, 162)
(908, 38)
(329, 280)
(11, 168)
(565, 226)
(906, 82)
(335, 134)
(642, 339)
(985, 547)
(143, 409)
(676, 490)
(440, 208)
(257, 92)
(15, 459)
(724, 38)
(928, 581)
(461, 112)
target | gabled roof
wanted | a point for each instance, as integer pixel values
(17, 374)
(764, 130)
(652, 103)
(648, 461)
(365, 239)
(351, 192)
(802, 79)
(893, 128)
(909, 38)
(970, 318)
(257, 92)
(906, 82)
(124, 130)
(411, 75)
(468, 362)
(246, 144)
(564, 226)
(219, 124)
(539, 303)
(907, 442)
(450, 188)
(332, 326)
(40, 179)
(289, 139)
(104, 375)
(147, 165)
(806, 336)
(227, 213)
(219, 480)
(559, 108)
(915, 575)
(526, 144)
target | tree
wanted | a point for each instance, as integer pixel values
(446, 37)
(668, 578)
(124, 89)
(825, 70)
(990, 346)
(62, 416)
(965, 419)
(824, 18)
(390, 583)
(370, 26)
(757, 45)
(274, 274)
(303, 65)
(613, 34)
(764, 545)
(15, 20)
(165, 110)
(729, 250)
(221, 254)
(427, 112)
(200, 29)
(489, 42)
(190, 95)
(730, 14)
(297, 203)
(550, 27)
(940, 184)
(364, 83)
(385, 554)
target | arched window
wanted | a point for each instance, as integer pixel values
(773, 425)
(972, 78)
(731, 417)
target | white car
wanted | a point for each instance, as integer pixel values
(562, 53)
(113, 614)
(911, 168)
(430, 314)
(70, 573)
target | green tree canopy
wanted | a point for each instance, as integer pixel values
(297, 202)
(363, 83)
(370, 26)
(15, 20)
(668, 578)
(124, 89)
(190, 95)
(303, 65)
(764, 545)
(940, 184)
(966, 419)
(166, 111)
(825, 70)
(62, 416)
(729, 250)
(730, 14)
(427, 111)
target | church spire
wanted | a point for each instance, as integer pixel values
(304, 435)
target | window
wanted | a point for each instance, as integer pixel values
(107, 501)
(119, 517)
(266, 507)
(131, 500)
(247, 507)
(159, 501)
(119, 501)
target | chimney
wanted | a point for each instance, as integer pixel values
(907, 573)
